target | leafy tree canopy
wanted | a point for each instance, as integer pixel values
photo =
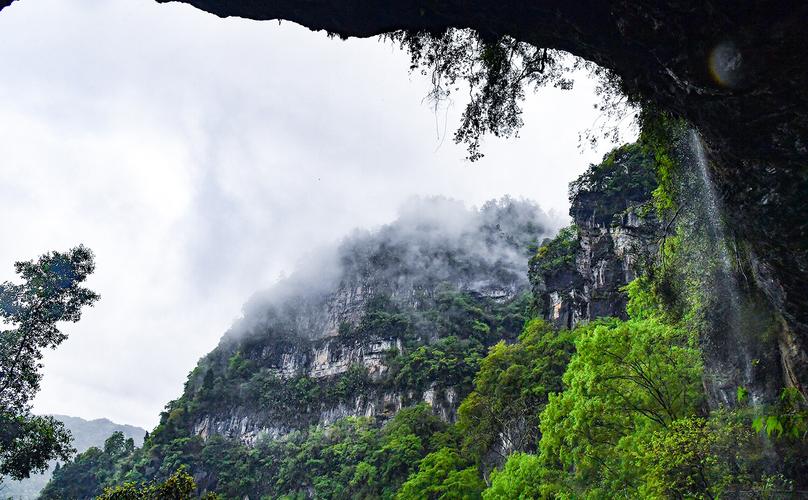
(51, 291)
(626, 380)
(512, 385)
(496, 72)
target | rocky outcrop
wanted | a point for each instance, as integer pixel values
(320, 361)
(612, 256)
(580, 274)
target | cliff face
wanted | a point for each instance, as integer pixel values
(705, 283)
(392, 318)
(326, 363)
(615, 235)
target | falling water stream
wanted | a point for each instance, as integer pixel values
(728, 285)
(712, 205)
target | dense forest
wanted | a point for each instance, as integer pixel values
(592, 378)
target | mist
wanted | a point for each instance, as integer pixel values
(433, 241)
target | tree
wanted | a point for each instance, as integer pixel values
(496, 70)
(51, 292)
(627, 380)
(518, 479)
(179, 486)
(442, 474)
(501, 415)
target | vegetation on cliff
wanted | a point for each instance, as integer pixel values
(613, 407)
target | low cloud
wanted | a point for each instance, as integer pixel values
(433, 240)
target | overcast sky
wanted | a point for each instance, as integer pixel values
(200, 157)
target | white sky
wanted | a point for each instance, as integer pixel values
(200, 157)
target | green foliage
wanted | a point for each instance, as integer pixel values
(496, 70)
(238, 366)
(465, 324)
(556, 253)
(443, 475)
(626, 420)
(742, 395)
(28, 442)
(448, 362)
(382, 318)
(475, 317)
(179, 486)
(627, 379)
(789, 417)
(681, 460)
(698, 457)
(661, 133)
(625, 177)
(519, 479)
(642, 302)
(51, 292)
(86, 475)
(511, 388)
(353, 458)
(441, 343)
(301, 396)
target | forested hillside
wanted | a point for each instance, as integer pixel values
(420, 361)
(86, 434)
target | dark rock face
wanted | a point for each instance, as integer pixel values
(737, 72)
(579, 275)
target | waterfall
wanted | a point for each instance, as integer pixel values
(712, 204)
(736, 353)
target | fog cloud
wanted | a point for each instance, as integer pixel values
(433, 241)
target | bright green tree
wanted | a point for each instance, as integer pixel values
(443, 475)
(178, 486)
(519, 479)
(511, 389)
(86, 475)
(626, 381)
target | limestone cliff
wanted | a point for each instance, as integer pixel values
(393, 317)
(578, 276)
(704, 283)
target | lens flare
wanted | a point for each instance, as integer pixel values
(725, 64)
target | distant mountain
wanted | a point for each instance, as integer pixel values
(86, 433)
